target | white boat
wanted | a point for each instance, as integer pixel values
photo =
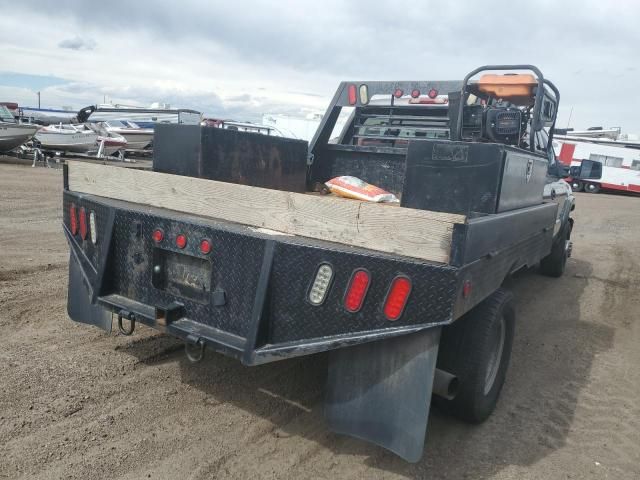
(67, 138)
(12, 133)
(137, 138)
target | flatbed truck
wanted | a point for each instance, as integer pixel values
(231, 245)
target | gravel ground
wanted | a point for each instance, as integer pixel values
(77, 403)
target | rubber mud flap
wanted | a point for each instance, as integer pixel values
(381, 391)
(79, 306)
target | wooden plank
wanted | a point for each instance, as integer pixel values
(415, 233)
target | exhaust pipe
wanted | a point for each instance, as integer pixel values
(445, 384)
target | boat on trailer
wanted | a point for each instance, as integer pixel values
(12, 133)
(138, 138)
(67, 138)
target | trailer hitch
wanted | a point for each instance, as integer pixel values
(132, 322)
(194, 348)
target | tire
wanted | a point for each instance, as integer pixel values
(477, 348)
(554, 264)
(577, 185)
(591, 187)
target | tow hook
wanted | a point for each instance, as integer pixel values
(194, 348)
(132, 322)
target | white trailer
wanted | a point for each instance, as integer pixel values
(595, 166)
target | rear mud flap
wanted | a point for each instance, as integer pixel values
(381, 391)
(79, 306)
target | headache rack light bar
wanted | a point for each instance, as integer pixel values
(342, 97)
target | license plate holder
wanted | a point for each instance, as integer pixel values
(182, 275)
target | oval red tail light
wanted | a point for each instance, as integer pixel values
(181, 241)
(73, 219)
(157, 235)
(205, 246)
(397, 298)
(83, 223)
(357, 290)
(351, 91)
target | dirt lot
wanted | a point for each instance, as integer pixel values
(77, 403)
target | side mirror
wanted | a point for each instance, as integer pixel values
(558, 170)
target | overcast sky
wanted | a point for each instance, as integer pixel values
(238, 59)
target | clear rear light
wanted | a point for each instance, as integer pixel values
(357, 290)
(321, 284)
(73, 219)
(397, 298)
(364, 94)
(92, 227)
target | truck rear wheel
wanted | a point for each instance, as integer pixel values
(477, 348)
(577, 185)
(591, 187)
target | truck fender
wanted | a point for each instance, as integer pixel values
(381, 391)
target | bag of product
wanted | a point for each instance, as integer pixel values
(353, 187)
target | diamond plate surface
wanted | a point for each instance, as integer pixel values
(294, 318)
(236, 261)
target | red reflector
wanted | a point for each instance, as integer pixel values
(181, 241)
(205, 246)
(433, 93)
(357, 290)
(352, 95)
(73, 219)
(398, 93)
(466, 288)
(83, 223)
(415, 93)
(397, 298)
(157, 235)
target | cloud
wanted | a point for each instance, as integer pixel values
(78, 43)
(250, 57)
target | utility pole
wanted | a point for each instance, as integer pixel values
(38, 99)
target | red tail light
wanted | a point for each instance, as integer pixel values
(157, 235)
(205, 246)
(433, 93)
(73, 219)
(352, 94)
(415, 93)
(357, 290)
(398, 93)
(181, 241)
(397, 298)
(466, 288)
(83, 223)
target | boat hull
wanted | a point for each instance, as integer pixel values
(65, 142)
(12, 136)
(137, 140)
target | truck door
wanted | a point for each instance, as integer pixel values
(556, 189)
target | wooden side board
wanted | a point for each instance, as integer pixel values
(414, 233)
